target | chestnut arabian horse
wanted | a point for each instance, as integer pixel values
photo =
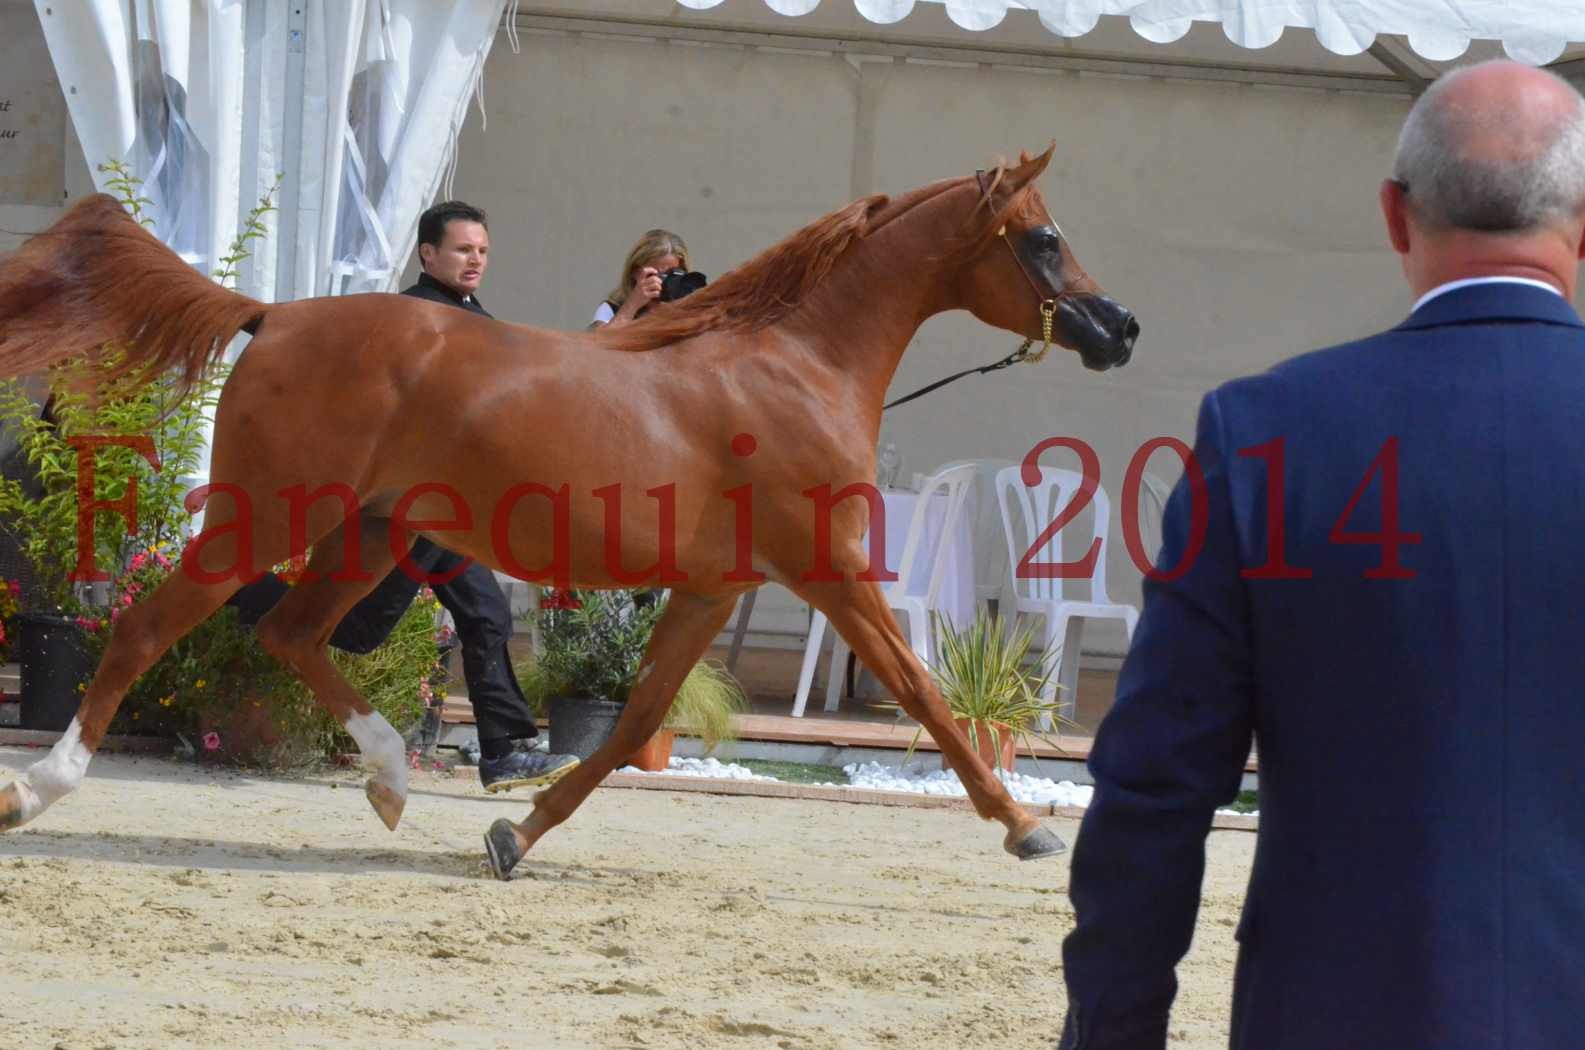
(722, 440)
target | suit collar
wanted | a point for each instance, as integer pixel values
(1494, 301)
(449, 292)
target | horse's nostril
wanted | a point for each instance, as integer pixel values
(1131, 330)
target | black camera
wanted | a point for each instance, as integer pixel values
(674, 284)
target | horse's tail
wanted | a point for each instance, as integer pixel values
(97, 280)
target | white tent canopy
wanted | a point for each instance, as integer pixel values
(1532, 31)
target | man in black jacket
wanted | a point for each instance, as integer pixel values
(453, 251)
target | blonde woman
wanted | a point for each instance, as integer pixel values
(656, 253)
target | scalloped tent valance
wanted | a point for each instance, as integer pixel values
(1531, 31)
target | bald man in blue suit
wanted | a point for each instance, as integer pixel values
(1380, 572)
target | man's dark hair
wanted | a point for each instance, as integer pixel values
(432, 224)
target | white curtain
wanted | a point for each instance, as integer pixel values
(411, 74)
(355, 104)
(139, 88)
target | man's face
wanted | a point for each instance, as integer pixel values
(459, 260)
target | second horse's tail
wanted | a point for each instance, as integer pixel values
(98, 279)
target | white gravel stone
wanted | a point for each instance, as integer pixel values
(919, 777)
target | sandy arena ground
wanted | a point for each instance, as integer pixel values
(167, 905)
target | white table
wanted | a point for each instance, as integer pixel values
(956, 600)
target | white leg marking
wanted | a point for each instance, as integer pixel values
(55, 775)
(381, 747)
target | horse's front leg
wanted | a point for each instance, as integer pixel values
(681, 636)
(857, 609)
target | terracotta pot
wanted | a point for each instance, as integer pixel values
(1005, 742)
(655, 755)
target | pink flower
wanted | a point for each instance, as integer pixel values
(126, 600)
(138, 561)
(211, 741)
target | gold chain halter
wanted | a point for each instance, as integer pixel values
(1048, 312)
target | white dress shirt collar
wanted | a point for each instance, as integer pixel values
(1468, 281)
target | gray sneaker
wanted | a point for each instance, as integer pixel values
(524, 769)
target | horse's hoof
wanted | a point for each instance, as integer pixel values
(1039, 843)
(11, 808)
(500, 842)
(386, 802)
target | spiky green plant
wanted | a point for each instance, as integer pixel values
(705, 705)
(988, 679)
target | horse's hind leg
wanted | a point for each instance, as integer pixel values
(295, 632)
(140, 636)
(681, 636)
(858, 611)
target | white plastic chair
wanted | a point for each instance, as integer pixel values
(745, 609)
(1027, 511)
(1153, 496)
(905, 594)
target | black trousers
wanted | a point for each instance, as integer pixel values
(475, 601)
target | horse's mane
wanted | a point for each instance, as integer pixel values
(774, 282)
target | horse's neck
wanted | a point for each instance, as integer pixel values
(867, 310)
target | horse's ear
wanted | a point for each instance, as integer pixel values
(1029, 169)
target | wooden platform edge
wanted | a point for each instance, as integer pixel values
(858, 796)
(139, 745)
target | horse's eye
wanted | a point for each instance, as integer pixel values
(1050, 241)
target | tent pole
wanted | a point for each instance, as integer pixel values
(292, 152)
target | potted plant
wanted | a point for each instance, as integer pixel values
(992, 687)
(592, 644)
(704, 707)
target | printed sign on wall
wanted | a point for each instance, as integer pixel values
(32, 114)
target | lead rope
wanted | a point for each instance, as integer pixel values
(1047, 312)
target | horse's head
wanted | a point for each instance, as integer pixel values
(1022, 274)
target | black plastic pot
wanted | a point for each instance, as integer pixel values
(580, 725)
(53, 654)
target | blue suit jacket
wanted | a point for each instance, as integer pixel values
(1419, 874)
